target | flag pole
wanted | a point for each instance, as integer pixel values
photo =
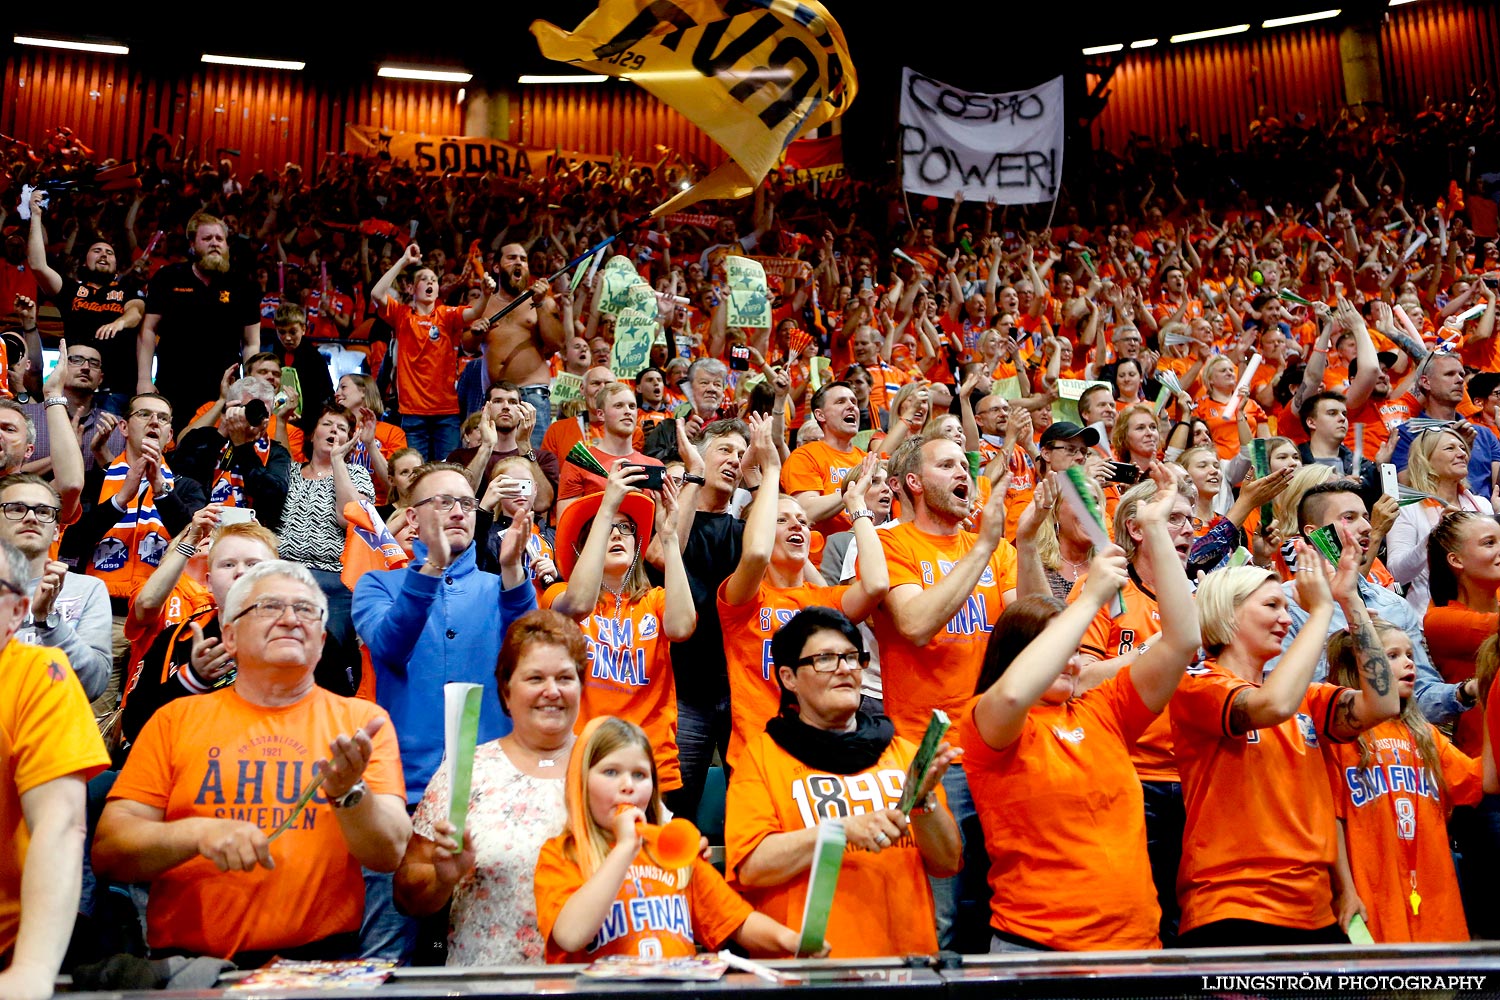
(599, 247)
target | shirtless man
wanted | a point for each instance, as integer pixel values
(516, 349)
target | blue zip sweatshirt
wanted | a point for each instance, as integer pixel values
(425, 631)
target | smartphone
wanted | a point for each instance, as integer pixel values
(1388, 484)
(1124, 472)
(236, 515)
(739, 359)
(654, 476)
(1326, 541)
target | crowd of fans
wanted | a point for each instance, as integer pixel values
(1111, 495)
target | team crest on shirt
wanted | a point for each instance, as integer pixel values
(648, 627)
(1308, 730)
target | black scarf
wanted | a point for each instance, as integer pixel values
(836, 753)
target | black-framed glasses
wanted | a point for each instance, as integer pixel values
(827, 663)
(15, 510)
(270, 609)
(6, 587)
(80, 361)
(151, 416)
(444, 503)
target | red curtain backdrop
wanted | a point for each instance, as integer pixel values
(1429, 48)
(270, 116)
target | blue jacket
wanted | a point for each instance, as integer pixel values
(425, 631)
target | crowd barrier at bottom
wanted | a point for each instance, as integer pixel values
(1446, 970)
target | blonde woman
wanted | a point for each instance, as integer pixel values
(1285, 509)
(1230, 433)
(1438, 463)
(1259, 847)
(1207, 476)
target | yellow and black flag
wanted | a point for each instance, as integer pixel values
(753, 74)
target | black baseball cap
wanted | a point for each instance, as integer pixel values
(1066, 430)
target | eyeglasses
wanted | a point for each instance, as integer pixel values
(827, 663)
(1071, 449)
(1182, 520)
(79, 361)
(6, 587)
(17, 511)
(270, 609)
(444, 503)
(151, 416)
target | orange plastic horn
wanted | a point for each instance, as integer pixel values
(675, 845)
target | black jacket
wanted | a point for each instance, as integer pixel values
(83, 537)
(312, 375)
(266, 483)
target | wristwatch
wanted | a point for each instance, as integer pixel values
(351, 798)
(695, 480)
(1465, 699)
(855, 515)
(53, 620)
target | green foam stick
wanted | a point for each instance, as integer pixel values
(1260, 454)
(822, 880)
(1076, 493)
(461, 703)
(937, 727)
(1287, 296)
(580, 456)
(1326, 541)
(1359, 933)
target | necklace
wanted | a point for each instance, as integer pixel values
(1076, 567)
(543, 761)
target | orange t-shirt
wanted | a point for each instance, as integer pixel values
(187, 598)
(1258, 843)
(47, 732)
(654, 915)
(817, 467)
(426, 357)
(883, 905)
(1108, 638)
(1065, 824)
(941, 674)
(563, 434)
(887, 382)
(754, 694)
(630, 673)
(1226, 430)
(1380, 418)
(1397, 831)
(218, 756)
(1453, 636)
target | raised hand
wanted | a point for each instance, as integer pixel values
(209, 657)
(348, 756)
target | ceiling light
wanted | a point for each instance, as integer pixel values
(64, 43)
(1144, 43)
(258, 63)
(564, 78)
(1099, 50)
(1193, 36)
(1282, 22)
(424, 73)
(1398, 3)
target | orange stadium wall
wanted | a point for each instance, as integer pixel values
(270, 116)
(274, 116)
(1427, 48)
(1436, 48)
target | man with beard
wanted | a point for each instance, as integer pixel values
(705, 384)
(502, 434)
(96, 309)
(947, 589)
(206, 318)
(516, 348)
(815, 472)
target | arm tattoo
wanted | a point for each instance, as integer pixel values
(1239, 713)
(1413, 349)
(1374, 668)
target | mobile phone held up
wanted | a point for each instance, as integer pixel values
(739, 359)
(654, 476)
